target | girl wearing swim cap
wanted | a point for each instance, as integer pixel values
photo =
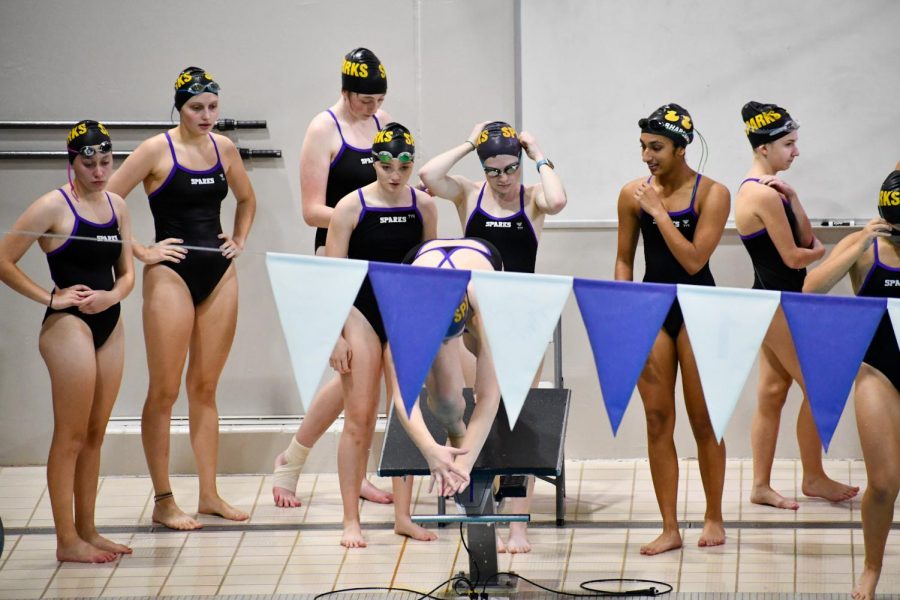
(190, 296)
(335, 160)
(503, 211)
(382, 222)
(776, 232)
(451, 464)
(872, 258)
(82, 340)
(681, 215)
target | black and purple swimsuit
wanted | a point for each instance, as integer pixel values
(382, 235)
(769, 270)
(661, 266)
(187, 206)
(883, 354)
(513, 235)
(88, 263)
(351, 169)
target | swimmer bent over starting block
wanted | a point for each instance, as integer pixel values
(451, 464)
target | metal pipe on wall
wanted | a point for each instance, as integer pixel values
(29, 155)
(221, 124)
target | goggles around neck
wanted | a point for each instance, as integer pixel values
(104, 147)
(507, 170)
(386, 157)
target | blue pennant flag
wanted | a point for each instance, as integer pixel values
(622, 321)
(417, 305)
(831, 335)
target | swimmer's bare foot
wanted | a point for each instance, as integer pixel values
(865, 587)
(409, 529)
(98, 541)
(352, 537)
(501, 546)
(219, 508)
(167, 513)
(713, 534)
(284, 497)
(765, 495)
(667, 540)
(517, 542)
(373, 494)
(83, 552)
(829, 489)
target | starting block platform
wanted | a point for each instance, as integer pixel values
(534, 447)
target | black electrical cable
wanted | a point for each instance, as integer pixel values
(419, 595)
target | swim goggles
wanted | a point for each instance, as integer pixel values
(386, 157)
(104, 147)
(198, 88)
(507, 170)
(788, 127)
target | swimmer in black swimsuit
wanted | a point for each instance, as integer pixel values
(336, 159)
(451, 465)
(190, 296)
(82, 339)
(776, 232)
(506, 213)
(681, 216)
(872, 258)
(382, 221)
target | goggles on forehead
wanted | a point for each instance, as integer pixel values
(386, 157)
(104, 147)
(507, 170)
(198, 87)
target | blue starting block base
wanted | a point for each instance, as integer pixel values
(534, 447)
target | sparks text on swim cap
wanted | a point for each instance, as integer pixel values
(507, 132)
(887, 198)
(761, 120)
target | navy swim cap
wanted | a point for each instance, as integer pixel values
(889, 199)
(84, 136)
(193, 81)
(498, 138)
(764, 123)
(394, 141)
(363, 73)
(671, 121)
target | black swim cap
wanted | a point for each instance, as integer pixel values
(394, 141)
(84, 136)
(671, 121)
(498, 138)
(889, 199)
(460, 315)
(363, 73)
(193, 81)
(764, 123)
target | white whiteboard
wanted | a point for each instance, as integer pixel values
(591, 69)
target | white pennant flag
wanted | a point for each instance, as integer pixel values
(314, 296)
(726, 327)
(519, 311)
(893, 308)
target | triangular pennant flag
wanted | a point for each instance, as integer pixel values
(831, 335)
(313, 295)
(893, 307)
(520, 311)
(726, 327)
(417, 305)
(622, 319)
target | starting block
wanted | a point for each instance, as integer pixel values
(534, 447)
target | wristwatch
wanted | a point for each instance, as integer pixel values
(542, 162)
